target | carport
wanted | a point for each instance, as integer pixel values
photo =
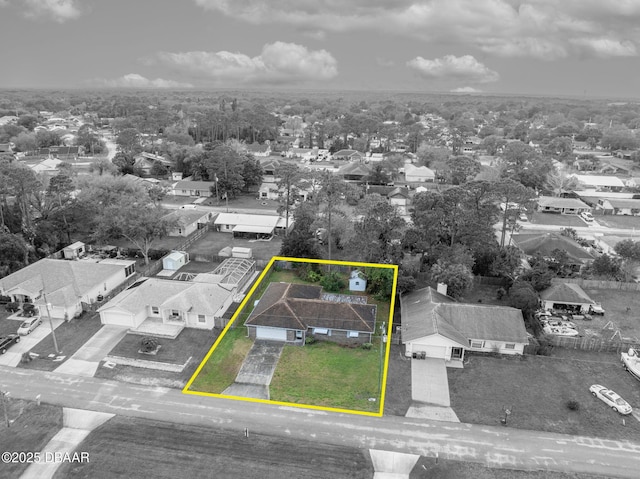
(253, 231)
(566, 296)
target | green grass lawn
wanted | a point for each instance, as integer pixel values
(326, 374)
(537, 389)
(222, 367)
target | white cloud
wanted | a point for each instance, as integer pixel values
(465, 89)
(464, 68)
(134, 80)
(278, 62)
(384, 62)
(545, 29)
(58, 10)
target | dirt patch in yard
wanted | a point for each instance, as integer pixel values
(536, 389)
(130, 447)
(212, 242)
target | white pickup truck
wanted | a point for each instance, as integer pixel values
(596, 308)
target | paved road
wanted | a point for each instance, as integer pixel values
(495, 446)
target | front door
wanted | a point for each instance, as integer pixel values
(456, 353)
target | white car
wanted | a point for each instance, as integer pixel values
(29, 325)
(588, 217)
(611, 398)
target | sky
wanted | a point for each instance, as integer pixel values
(584, 48)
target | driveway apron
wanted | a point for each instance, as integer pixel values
(257, 370)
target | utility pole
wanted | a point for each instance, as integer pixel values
(53, 332)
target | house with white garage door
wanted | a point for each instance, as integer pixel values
(436, 326)
(66, 284)
(289, 312)
(164, 307)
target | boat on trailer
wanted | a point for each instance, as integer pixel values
(631, 361)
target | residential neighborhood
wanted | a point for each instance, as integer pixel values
(230, 256)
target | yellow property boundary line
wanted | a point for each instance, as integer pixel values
(267, 268)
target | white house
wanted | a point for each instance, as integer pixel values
(420, 174)
(246, 225)
(611, 183)
(565, 206)
(65, 284)
(437, 326)
(189, 187)
(357, 281)
(189, 221)
(180, 304)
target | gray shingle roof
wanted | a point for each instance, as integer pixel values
(426, 312)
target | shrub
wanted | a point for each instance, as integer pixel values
(5, 299)
(367, 346)
(500, 292)
(12, 307)
(573, 405)
(148, 344)
(310, 340)
(332, 282)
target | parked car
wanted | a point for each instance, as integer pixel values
(588, 217)
(611, 398)
(523, 217)
(7, 341)
(596, 308)
(29, 325)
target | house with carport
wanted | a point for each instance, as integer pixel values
(249, 226)
(65, 285)
(289, 312)
(434, 325)
(190, 187)
(619, 206)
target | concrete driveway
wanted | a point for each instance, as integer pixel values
(256, 371)
(86, 359)
(430, 391)
(27, 343)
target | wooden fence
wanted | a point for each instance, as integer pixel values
(597, 284)
(591, 344)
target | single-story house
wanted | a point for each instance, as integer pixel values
(568, 296)
(305, 154)
(188, 304)
(269, 168)
(242, 225)
(619, 206)
(65, 284)
(6, 148)
(189, 221)
(145, 161)
(189, 187)
(610, 183)
(437, 326)
(545, 244)
(565, 206)
(354, 172)
(349, 155)
(268, 191)
(420, 174)
(633, 182)
(288, 312)
(357, 281)
(46, 165)
(258, 150)
(399, 197)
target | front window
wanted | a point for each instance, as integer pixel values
(476, 344)
(155, 310)
(510, 346)
(201, 318)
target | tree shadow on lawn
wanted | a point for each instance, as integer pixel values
(537, 390)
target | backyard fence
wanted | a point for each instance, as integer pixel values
(92, 307)
(597, 284)
(591, 344)
(192, 238)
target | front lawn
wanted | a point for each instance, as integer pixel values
(568, 221)
(32, 428)
(536, 389)
(326, 374)
(223, 365)
(70, 335)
